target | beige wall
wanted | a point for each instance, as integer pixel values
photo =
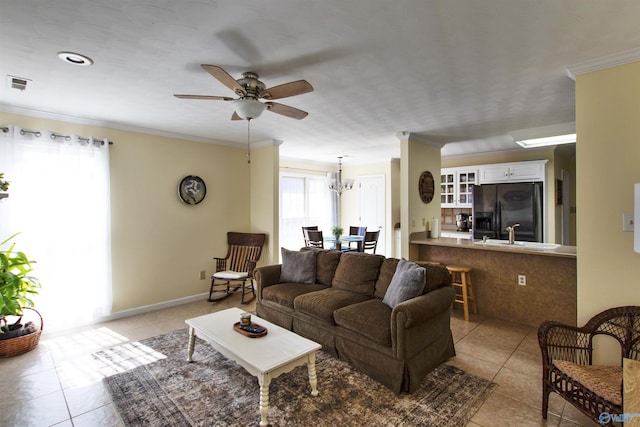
(608, 153)
(159, 244)
(416, 156)
(265, 198)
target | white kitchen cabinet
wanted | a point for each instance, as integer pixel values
(513, 172)
(456, 187)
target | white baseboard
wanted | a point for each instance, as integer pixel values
(152, 307)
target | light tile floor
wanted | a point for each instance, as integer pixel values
(58, 384)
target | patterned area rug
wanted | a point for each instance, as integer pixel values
(152, 385)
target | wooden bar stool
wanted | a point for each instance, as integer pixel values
(461, 278)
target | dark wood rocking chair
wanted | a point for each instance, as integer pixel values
(567, 362)
(242, 256)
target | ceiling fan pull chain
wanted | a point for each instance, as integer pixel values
(248, 140)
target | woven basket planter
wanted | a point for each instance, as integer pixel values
(19, 345)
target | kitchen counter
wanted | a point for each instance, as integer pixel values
(550, 292)
(456, 234)
(421, 239)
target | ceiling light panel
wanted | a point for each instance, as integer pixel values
(546, 141)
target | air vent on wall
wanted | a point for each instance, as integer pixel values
(19, 83)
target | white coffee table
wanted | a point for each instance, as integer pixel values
(267, 357)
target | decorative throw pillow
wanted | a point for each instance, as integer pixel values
(298, 267)
(407, 282)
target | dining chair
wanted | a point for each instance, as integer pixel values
(304, 233)
(370, 241)
(355, 231)
(315, 239)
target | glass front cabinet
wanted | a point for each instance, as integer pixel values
(456, 187)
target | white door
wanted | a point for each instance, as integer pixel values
(372, 207)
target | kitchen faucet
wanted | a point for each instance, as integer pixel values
(512, 233)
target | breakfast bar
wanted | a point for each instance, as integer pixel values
(550, 292)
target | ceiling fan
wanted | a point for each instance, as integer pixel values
(250, 90)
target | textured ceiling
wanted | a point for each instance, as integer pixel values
(460, 72)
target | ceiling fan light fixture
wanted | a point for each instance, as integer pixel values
(249, 108)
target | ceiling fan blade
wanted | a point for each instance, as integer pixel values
(235, 116)
(286, 110)
(208, 97)
(287, 89)
(224, 78)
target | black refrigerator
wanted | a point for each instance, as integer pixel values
(498, 206)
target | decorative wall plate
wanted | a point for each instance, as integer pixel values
(192, 190)
(426, 187)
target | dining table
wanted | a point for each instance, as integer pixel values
(348, 238)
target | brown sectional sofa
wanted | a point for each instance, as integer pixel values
(341, 307)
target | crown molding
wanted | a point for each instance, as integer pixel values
(608, 61)
(410, 136)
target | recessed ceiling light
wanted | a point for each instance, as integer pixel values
(75, 59)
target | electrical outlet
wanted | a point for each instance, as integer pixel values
(522, 280)
(203, 274)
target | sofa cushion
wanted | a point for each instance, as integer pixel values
(285, 293)
(371, 319)
(357, 272)
(326, 264)
(437, 276)
(321, 305)
(387, 270)
(408, 282)
(298, 266)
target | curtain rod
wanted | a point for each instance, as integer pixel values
(53, 135)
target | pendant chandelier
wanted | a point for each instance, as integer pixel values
(339, 185)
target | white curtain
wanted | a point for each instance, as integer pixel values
(59, 202)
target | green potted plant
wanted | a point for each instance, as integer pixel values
(16, 290)
(337, 231)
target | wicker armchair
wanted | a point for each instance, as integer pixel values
(567, 361)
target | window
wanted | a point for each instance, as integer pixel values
(304, 200)
(59, 202)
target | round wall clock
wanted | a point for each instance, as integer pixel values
(192, 190)
(426, 187)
